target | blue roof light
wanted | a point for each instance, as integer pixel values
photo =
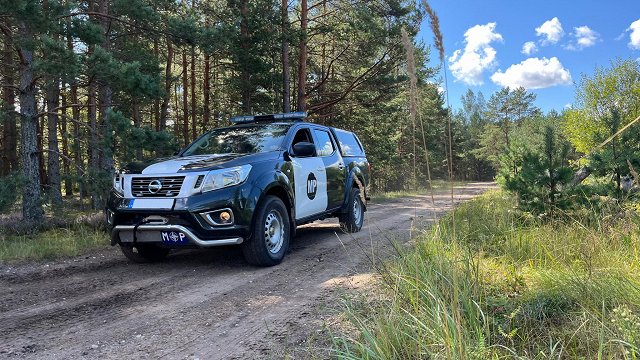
(296, 116)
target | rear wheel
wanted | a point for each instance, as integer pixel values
(271, 234)
(144, 253)
(352, 220)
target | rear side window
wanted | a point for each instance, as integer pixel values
(349, 144)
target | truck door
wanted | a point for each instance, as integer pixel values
(327, 150)
(310, 179)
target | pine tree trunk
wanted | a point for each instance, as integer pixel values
(156, 101)
(302, 57)
(93, 148)
(137, 121)
(206, 88)
(52, 99)
(68, 185)
(216, 92)
(31, 197)
(77, 147)
(106, 99)
(286, 90)
(92, 116)
(44, 181)
(9, 130)
(185, 99)
(194, 123)
(164, 108)
(245, 45)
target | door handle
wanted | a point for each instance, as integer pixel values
(320, 169)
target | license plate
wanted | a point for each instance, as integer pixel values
(174, 238)
(159, 204)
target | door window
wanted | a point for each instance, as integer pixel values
(324, 145)
(302, 135)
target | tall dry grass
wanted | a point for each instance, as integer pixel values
(504, 285)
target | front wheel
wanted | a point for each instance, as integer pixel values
(271, 234)
(144, 253)
(351, 221)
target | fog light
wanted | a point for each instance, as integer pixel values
(222, 217)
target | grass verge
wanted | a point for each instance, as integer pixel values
(54, 243)
(503, 285)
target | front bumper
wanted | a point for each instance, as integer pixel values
(151, 233)
(185, 216)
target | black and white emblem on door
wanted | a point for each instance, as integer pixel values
(312, 186)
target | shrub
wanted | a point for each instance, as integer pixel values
(10, 187)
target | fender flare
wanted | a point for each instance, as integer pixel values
(355, 179)
(276, 180)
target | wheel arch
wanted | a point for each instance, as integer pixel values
(282, 189)
(355, 180)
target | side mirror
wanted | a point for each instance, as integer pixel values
(304, 149)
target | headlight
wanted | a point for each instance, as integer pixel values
(118, 182)
(218, 179)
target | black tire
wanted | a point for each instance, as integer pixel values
(144, 253)
(271, 234)
(351, 221)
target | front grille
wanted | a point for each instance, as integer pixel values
(170, 186)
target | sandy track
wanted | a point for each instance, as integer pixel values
(198, 304)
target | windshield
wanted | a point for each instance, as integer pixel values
(239, 140)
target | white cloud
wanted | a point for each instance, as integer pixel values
(533, 73)
(529, 48)
(478, 55)
(551, 30)
(634, 41)
(585, 37)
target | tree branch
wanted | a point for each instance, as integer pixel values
(54, 110)
(66, 158)
(354, 84)
(326, 74)
(115, 18)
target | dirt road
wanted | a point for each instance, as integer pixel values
(198, 304)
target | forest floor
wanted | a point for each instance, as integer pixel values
(206, 304)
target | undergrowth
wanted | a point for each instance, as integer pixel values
(53, 243)
(500, 284)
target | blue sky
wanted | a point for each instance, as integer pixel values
(565, 40)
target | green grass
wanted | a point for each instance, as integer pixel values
(488, 282)
(437, 185)
(51, 244)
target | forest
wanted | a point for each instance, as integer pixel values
(544, 267)
(90, 85)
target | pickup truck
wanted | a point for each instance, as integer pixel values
(249, 184)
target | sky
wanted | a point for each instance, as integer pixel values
(545, 46)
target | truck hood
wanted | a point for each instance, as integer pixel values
(178, 164)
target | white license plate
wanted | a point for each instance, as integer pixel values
(157, 204)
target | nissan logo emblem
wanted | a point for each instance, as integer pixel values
(155, 186)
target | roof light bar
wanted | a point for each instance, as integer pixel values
(296, 116)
